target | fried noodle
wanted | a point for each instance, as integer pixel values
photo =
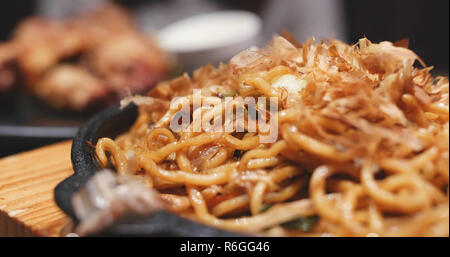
(362, 148)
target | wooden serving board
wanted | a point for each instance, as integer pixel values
(27, 181)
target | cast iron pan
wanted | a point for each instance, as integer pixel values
(110, 123)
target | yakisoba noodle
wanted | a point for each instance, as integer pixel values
(362, 146)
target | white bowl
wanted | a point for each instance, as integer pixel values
(210, 38)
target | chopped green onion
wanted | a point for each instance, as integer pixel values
(230, 93)
(260, 105)
(305, 224)
(238, 154)
(265, 207)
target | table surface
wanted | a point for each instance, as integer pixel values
(27, 181)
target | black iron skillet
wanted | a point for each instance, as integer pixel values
(111, 123)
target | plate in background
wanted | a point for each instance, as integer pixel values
(26, 123)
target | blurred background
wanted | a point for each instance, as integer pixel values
(424, 23)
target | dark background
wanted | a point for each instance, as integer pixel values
(425, 23)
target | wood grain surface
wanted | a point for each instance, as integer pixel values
(27, 180)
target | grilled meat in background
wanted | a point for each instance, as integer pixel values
(91, 59)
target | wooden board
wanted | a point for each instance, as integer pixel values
(27, 180)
